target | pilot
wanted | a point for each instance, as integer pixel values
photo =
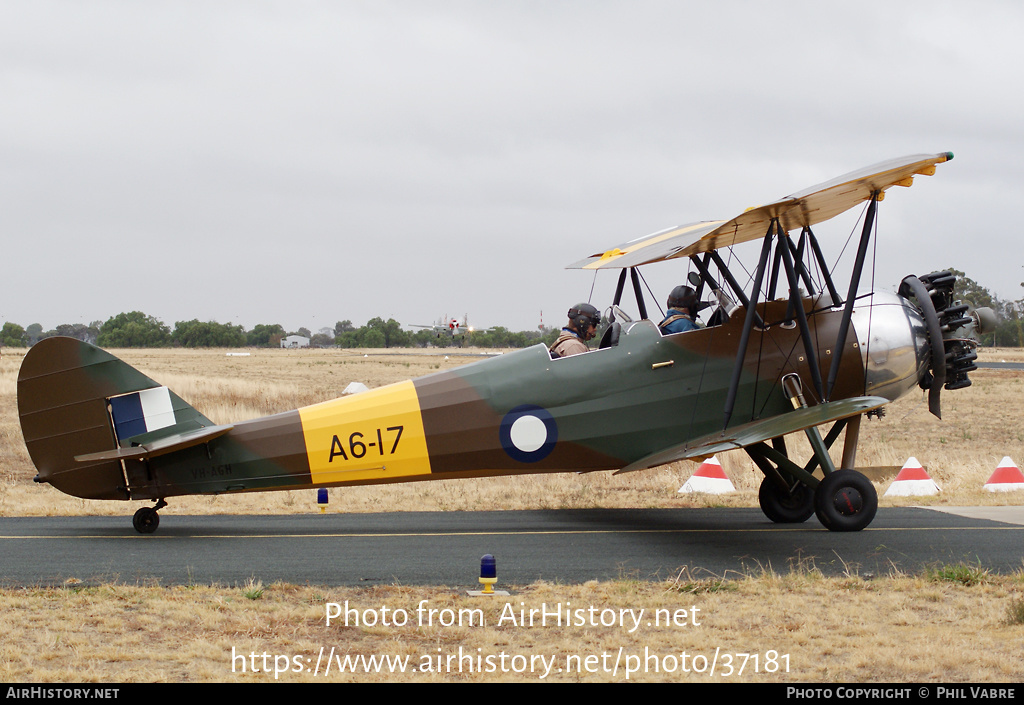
(682, 311)
(583, 322)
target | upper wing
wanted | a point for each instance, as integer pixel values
(802, 209)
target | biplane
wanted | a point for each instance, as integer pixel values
(786, 352)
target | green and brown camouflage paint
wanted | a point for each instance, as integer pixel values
(521, 412)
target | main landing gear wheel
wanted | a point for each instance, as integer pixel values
(845, 501)
(784, 507)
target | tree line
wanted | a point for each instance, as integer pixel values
(136, 329)
(1009, 332)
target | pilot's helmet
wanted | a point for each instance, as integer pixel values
(683, 297)
(584, 315)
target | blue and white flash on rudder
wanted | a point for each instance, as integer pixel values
(141, 412)
(528, 433)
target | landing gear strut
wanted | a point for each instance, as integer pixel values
(146, 519)
(844, 500)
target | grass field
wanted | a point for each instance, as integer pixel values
(953, 624)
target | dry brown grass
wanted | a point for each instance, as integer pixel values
(891, 629)
(824, 629)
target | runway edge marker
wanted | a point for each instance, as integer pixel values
(710, 478)
(912, 481)
(1006, 478)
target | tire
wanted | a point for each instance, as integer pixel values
(845, 501)
(146, 520)
(785, 508)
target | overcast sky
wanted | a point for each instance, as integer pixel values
(306, 162)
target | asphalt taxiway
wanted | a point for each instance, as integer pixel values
(444, 548)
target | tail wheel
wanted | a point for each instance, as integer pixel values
(784, 507)
(146, 520)
(845, 501)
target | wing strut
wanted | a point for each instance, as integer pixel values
(822, 265)
(635, 278)
(798, 263)
(618, 288)
(796, 302)
(748, 323)
(851, 298)
(639, 294)
(776, 268)
(705, 273)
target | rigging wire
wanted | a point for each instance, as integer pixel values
(651, 292)
(850, 236)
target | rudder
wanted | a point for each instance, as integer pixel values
(75, 399)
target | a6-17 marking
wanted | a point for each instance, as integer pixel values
(357, 446)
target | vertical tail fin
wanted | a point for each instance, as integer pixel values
(75, 399)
